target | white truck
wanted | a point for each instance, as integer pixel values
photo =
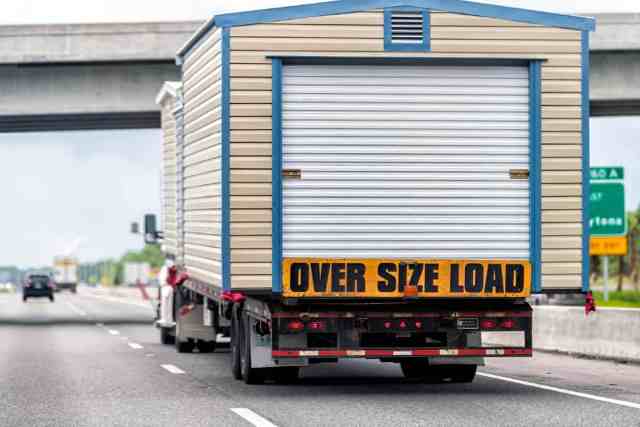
(65, 273)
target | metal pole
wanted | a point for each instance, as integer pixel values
(606, 277)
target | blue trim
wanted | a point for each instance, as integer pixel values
(225, 208)
(276, 175)
(194, 41)
(455, 6)
(535, 191)
(350, 60)
(425, 46)
(586, 191)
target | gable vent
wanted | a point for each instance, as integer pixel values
(407, 27)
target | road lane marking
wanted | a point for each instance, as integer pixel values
(173, 369)
(114, 332)
(253, 418)
(100, 325)
(76, 309)
(119, 300)
(135, 345)
(563, 391)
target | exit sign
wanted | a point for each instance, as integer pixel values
(607, 173)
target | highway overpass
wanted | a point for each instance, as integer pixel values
(106, 76)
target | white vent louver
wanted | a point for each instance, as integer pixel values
(407, 27)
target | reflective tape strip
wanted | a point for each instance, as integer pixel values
(420, 352)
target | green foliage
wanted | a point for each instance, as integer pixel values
(629, 299)
(150, 254)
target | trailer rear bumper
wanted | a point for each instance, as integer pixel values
(402, 353)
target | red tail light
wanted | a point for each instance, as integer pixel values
(295, 326)
(508, 324)
(403, 324)
(317, 325)
(387, 325)
(488, 324)
(418, 324)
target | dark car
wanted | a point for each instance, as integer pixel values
(38, 285)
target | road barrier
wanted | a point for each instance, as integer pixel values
(611, 333)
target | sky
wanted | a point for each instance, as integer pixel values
(68, 11)
(75, 192)
(79, 191)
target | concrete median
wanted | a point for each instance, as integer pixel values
(611, 333)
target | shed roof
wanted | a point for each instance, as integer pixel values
(351, 6)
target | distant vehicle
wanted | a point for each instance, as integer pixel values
(65, 273)
(136, 272)
(38, 285)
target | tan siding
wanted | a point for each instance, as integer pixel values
(202, 146)
(361, 35)
(169, 183)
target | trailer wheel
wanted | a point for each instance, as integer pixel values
(459, 373)
(234, 343)
(206, 346)
(286, 375)
(24, 298)
(249, 375)
(184, 346)
(165, 336)
(415, 369)
(51, 298)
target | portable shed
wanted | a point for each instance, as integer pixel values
(168, 100)
(430, 129)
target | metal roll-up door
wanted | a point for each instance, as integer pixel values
(403, 161)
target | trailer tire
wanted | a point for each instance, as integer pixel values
(206, 346)
(51, 298)
(286, 375)
(165, 336)
(249, 375)
(24, 298)
(460, 373)
(234, 344)
(416, 369)
(184, 346)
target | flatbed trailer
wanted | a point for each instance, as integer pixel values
(385, 179)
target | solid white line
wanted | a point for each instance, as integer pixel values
(114, 332)
(173, 369)
(134, 345)
(563, 391)
(119, 300)
(252, 417)
(76, 309)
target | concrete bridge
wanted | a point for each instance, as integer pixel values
(106, 76)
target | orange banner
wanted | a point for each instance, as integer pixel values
(375, 278)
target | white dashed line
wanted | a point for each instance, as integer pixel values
(563, 391)
(173, 369)
(252, 417)
(76, 309)
(114, 332)
(134, 345)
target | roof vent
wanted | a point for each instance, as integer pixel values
(407, 27)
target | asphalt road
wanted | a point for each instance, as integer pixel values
(90, 360)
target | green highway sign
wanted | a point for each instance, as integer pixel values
(607, 173)
(606, 209)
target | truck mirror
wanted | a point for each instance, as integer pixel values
(135, 228)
